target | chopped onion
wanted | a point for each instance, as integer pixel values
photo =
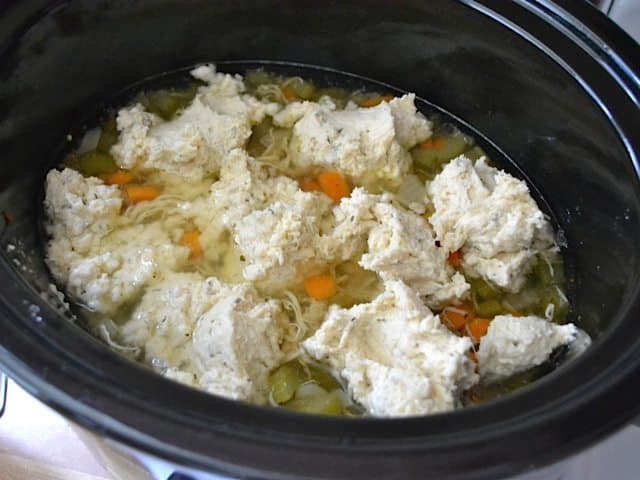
(89, 141)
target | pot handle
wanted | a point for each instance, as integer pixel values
(3, 392)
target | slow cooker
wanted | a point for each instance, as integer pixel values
(553, 85)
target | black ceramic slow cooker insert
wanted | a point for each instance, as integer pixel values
(554, 85)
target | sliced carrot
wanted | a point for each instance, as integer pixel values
(320, 287)
(477, 328)
(141, 193)
(289, 93)
(191, 239)
(455, 258)
(434, 143)
(334, 185)
(373, 101)
(309, 185)
(120, 177)
(456, 317)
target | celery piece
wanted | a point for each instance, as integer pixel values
(94, 163)
(166, 103)
(475, 153)
(285, 380)
(481, 289)
(489, 308)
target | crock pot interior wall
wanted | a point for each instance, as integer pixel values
(71, 55)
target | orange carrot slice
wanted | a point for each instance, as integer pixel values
(120, 177)
(477, 328)
(334, 185)
(191, 239)
(141, 193)
(309, 185)
(434, 143)
(373, 101)
(320, 287)
(455, 259)
(289, 93)
(456, 317)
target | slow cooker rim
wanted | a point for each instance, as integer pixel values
(13, 368)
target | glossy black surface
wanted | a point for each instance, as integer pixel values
(562, 106)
